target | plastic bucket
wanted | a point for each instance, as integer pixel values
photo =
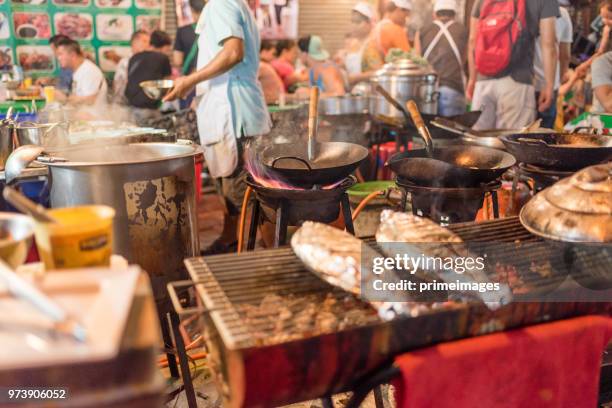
(83, 237)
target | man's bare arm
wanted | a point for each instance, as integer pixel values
(230, 55)
(178, 57)
(471, 58)
(548, 40)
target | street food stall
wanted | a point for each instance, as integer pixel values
(386, 254)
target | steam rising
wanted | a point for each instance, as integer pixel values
(93, 125)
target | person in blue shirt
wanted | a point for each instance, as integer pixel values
(231, 107)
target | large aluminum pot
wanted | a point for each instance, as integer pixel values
(152, 188)
(405, 80)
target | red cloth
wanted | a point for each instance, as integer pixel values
(549, 365)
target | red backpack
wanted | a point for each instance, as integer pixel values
(499, 29)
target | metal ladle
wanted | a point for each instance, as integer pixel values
(19, 160)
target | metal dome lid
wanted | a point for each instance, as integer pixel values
(576, 209)
(405, 67)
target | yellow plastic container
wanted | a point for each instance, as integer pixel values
(49, 92)
(83, 237)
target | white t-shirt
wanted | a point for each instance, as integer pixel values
(87, 80)
(565, 34)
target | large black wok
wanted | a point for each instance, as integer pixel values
(333, 162)
(453, 166)
(310, 163)
(562, 151)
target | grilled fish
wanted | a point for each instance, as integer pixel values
(401, 234)
(332, 254)
(339, 258)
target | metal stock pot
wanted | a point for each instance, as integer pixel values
(152, 188)
(405, 80)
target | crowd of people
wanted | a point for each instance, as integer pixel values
(527, 88)
(538, 71)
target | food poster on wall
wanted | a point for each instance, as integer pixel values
(102, 27)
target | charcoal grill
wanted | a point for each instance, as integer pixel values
(259, 363)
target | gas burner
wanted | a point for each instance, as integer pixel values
(542, 177)
(291, 207)
(448, 205)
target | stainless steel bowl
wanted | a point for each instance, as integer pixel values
(16, 233)
(156, 90)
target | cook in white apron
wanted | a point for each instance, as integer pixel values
(232, 104)
(214, 117)
(220, 121)
(353, 60)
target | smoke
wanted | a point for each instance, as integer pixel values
(91, 124)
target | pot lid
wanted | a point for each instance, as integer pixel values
(92, 155)
(576, 209)
(406, 67)
(589, 191)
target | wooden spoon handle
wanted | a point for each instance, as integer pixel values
(313, 120)
(413, 109)
(313, 112)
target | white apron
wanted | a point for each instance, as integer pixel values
(214, 117)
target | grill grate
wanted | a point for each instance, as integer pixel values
(234, 286)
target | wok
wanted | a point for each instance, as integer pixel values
(310, 163)
(563, 151)
(453, 166)
(333, 162)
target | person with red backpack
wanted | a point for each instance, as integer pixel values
(501, 60)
